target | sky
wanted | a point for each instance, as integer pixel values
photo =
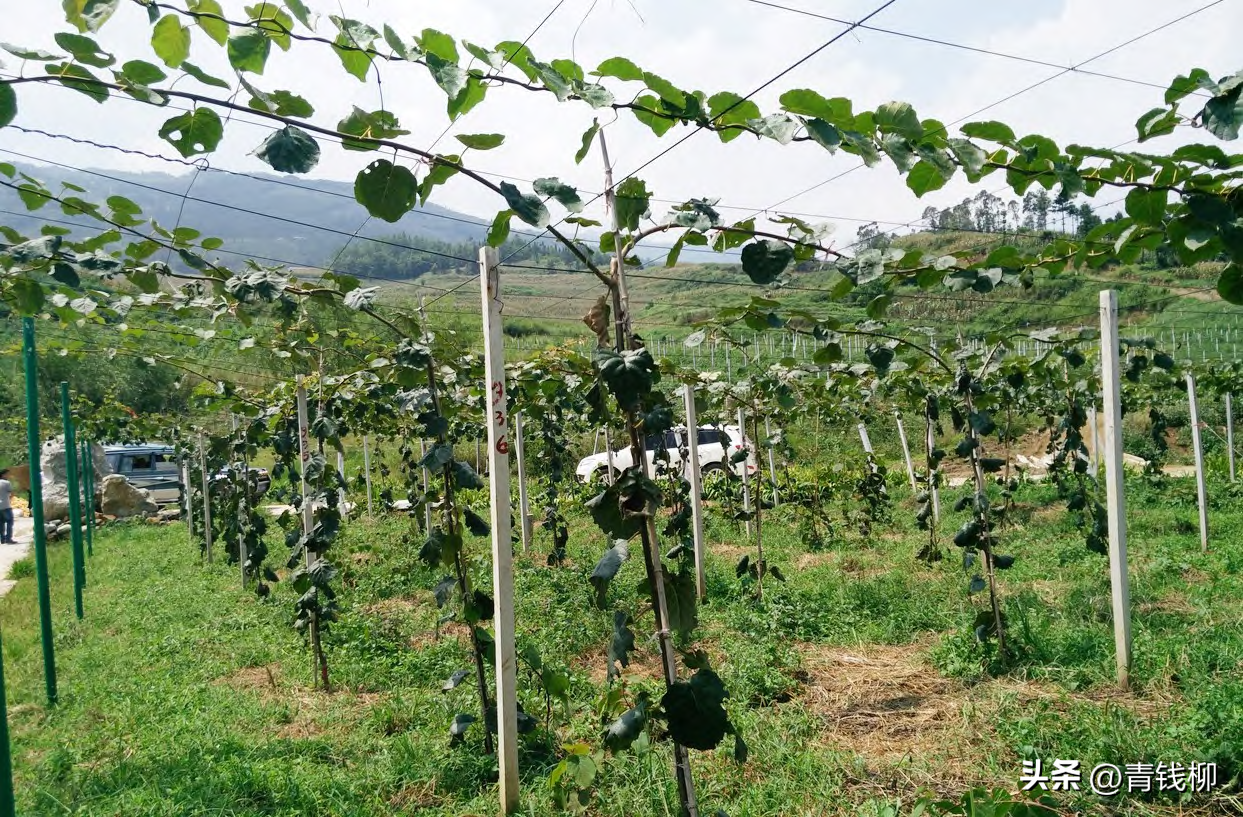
(711, 45)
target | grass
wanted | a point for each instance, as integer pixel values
(855, 683)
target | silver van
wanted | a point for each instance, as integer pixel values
(152, 466)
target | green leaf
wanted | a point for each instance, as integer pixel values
(289, 150)
(1223, 115)
(563, 193)
(777, 127)
(878, 306)
(624, 731)
(631, 202)
(527, 207)
(763, 261)
(439, 44)
(171, 41)
(79, 79)
(388, 191)
(84, 50)
(467, 99)
(970, 156)
(823, 134)
(1147, 206)
(356, 63)
(30, 53)
(621, 643)
(897, 148)
(1183, 86)
(140, 72)
(589, 136)
(300, 12)
(89, 15)
(1230, 284)
(608, 566)
(28, 294)
(368, 126)
(989, 132)
(193, 133)
(482, 141)
(621, 68)
(900, 118)
(1157, 122)
(249, 51)
(399, 46)
(727, 108)
(273, 22)
(202, 76)
(695, 711)
(553, 80)
(811, 104)
(499, 231)
(448, 75)
(215, 28)
(629, 376)
(8, 105)
(924, 178)
(440, 173)
(597, 96)
(281, 103)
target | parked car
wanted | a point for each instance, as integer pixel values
(717, 447)
(151, 466)
(259, 478)
(154, 466)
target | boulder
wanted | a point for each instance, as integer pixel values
(55, 471)
(120, 499)
(169, 514)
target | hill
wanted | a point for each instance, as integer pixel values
(315, 216)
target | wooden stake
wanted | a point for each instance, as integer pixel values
(367, 474)
(1115, 485)
(1230, 433)
(1094, 460)
(427, 508)
(772, 465)
(502, 547)
(746, 482)
(1201, 484)
(608, 448)
(697, 510)
(341, 489)
(241, 536)
(206, 497)
(906, 451)
(304, 456)
(524, 504)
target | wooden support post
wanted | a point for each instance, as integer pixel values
(1095, 459)
(367, 474)
(906, 450)
(1230, 432)
(206, 497)
(241, 533)
(427, 509)
(502, 547)
(772, 464)
(697, 510)
(304, 457)
(608, 447)
(341, 495)
(524, 501)
(1201, 481)
(1115, 485)
(746, 481)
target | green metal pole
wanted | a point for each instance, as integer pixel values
(88, 471)
(75, 500)
(36, 506)
(7, 806)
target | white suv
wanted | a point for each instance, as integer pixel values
(717, 446)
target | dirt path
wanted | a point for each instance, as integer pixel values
(23, 532)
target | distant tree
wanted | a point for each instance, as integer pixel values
(1036, 210)
(1088, 219)
(870, 237)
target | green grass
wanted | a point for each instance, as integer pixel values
(181, 695)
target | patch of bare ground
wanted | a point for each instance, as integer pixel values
(455, 630)
(397, 608)
(302, 712)
(262, 680)
(911, 728)
(415, 798)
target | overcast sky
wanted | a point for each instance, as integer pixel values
(710, 45)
